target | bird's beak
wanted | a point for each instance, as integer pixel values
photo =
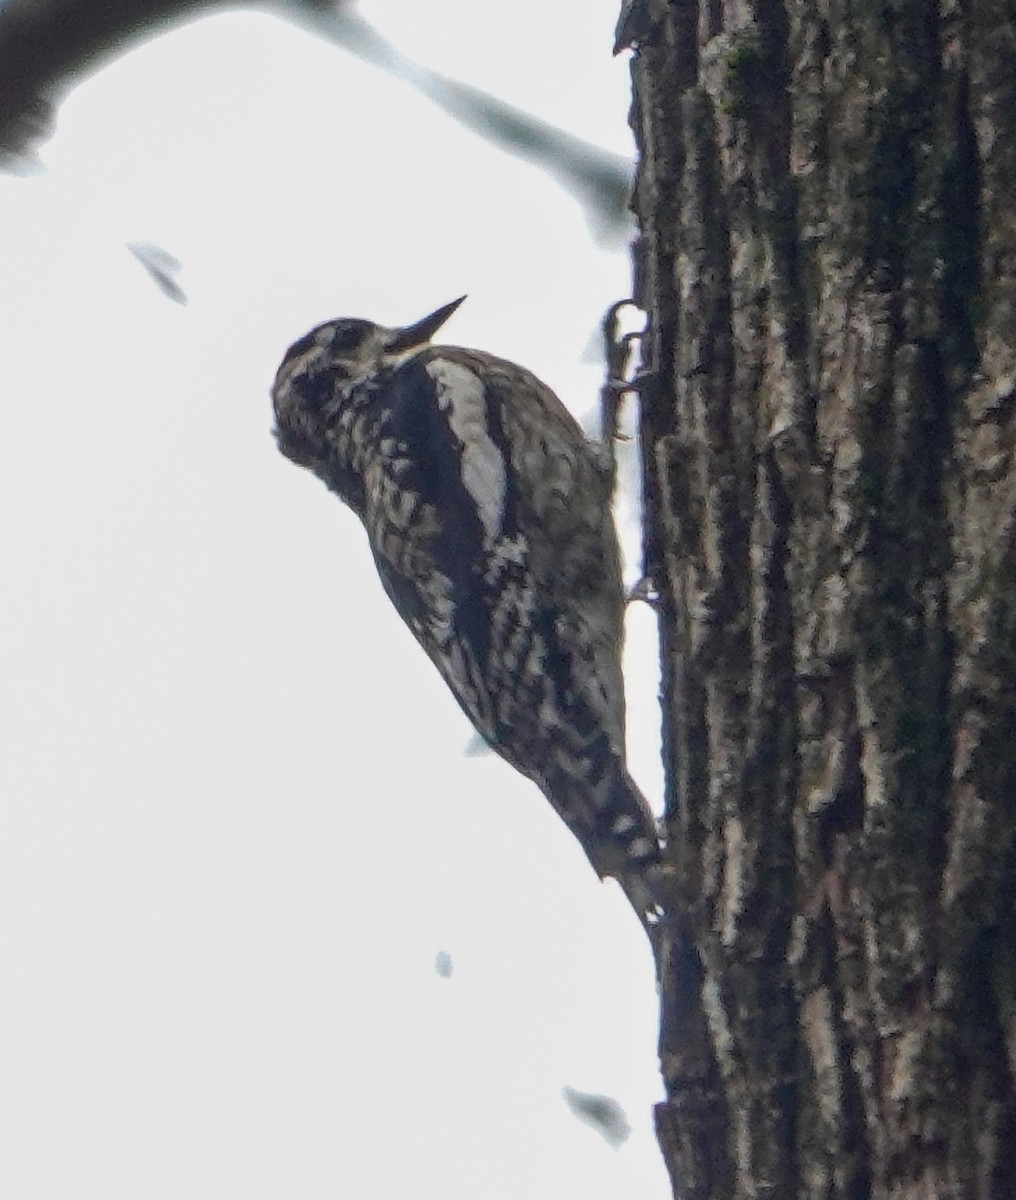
(422, 331)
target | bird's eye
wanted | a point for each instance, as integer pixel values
(315, 388)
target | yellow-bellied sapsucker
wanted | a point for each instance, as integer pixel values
(488, 513)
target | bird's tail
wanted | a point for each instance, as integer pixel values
(616, 828)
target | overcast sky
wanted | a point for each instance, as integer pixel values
(238, 819)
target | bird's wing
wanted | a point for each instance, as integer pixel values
(490, 524)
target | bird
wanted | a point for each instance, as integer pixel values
(488, 514)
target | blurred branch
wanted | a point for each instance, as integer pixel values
(598, 179)
(47, 45)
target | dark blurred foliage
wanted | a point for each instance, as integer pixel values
(47, 46)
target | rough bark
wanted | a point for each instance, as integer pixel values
(827, 206)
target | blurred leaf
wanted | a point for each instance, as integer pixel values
(161, 266)
(601, 1113)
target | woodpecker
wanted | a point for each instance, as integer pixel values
(488, 514)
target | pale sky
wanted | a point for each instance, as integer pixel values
(238, 822)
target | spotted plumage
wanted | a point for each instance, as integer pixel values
(488, 514)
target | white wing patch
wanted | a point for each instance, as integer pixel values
(460, 393)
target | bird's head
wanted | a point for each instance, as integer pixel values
(320, 370)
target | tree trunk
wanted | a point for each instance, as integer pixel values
(827, 206)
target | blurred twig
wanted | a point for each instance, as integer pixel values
(598, 179)
(46, 46)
